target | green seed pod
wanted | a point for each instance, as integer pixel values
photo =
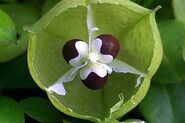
(138, 58)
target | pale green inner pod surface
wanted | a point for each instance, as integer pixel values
(132, 27)
(132, 30)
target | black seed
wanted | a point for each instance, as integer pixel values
(94, 82)
(69, 50)
(110, 45)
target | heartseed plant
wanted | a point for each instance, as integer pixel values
(100, 40)
(94, 59)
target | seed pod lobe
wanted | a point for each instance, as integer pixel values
(110, 45)
(94, 82)
(69, 50)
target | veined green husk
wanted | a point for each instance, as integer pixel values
(132, 25)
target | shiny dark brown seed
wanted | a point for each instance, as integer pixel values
(110, 45)
(94, 82)
(69, 50)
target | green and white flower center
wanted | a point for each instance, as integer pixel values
(94, 61)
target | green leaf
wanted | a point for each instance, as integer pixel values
(172, 34)
(21, 14)
(10, 111)
(136, 30)
(183, 50)
(179, 9)
(145, 3)
(7, 29)
(166, 12)
(164, 103)
(41, 110)
(15, 75)
(9, 1)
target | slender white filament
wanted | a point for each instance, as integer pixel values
(90, 25)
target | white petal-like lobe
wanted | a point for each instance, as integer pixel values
(100, 69)
(138, 82)
(82, 48)
(58, 87)
(96, 49)
(121, 67)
